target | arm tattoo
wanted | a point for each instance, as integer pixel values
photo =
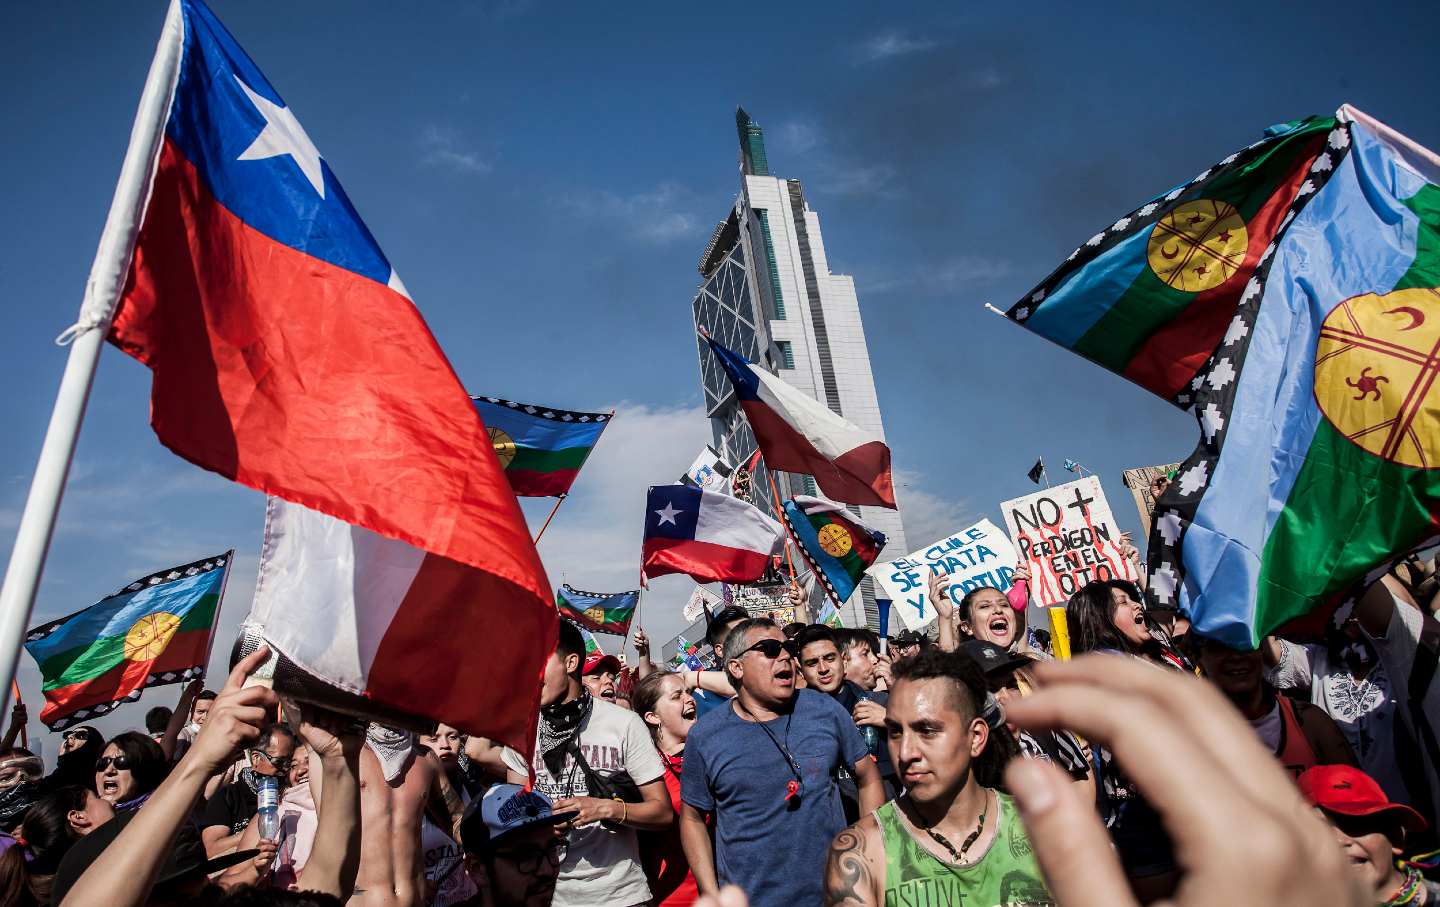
(847, 875)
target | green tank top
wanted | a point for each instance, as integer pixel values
(1005, 874)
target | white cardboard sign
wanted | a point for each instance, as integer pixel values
(1068, 537)
(979, 555)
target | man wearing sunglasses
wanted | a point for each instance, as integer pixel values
(764, 768)
(509, 834)
(231, 808)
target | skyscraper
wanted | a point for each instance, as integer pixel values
(767, 292)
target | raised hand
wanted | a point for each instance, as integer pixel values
(940, 596)
(237, 715)
(1242, 834)
(642, 643)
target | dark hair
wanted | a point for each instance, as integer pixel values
(715, 630)
(1090, 616)
(158, 719)
(646, 694)
(78, 765)
(571, 642)
(963, 607)
(815, 633)
(253, 896)
(147, 761)
(17, 886)
(48, 834)
(205, 694)
(847, 638)
(971, 692)
(268, 732)
(793, 629)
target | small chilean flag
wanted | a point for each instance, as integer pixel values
(798, 434)
(708, 536)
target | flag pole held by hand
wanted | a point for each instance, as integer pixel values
(107, 278)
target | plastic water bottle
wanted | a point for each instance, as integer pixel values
(869, 731)
(269, 807)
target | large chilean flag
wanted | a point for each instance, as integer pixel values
(798, 434)
(286, 353)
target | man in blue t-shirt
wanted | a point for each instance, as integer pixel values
(764, 768)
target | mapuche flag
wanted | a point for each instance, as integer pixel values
(285, 352)
(287, 355)
(155, 631)
(540, 448)
(837, 545)
(1151, 296)
(1318, 407)
(797, 433)
(598, 611)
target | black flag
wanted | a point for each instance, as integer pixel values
(1037, 471)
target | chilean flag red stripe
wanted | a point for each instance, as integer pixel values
(706, 535)
(798, 434)
(286, 355)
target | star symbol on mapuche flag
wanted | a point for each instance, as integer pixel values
(283, 135)
(668, 515)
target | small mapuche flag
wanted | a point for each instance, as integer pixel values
(598, 611)
(541, 449)
(592, 645)
(154, 631)
(838, 546)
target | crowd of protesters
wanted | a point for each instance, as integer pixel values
(804, 764)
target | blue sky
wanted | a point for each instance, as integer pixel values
(544, 177)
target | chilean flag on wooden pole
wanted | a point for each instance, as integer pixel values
(708, 536)
(286, 354)
(799, 434)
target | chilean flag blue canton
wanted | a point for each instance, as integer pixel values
(705, 535)
(798, 434)
(285, 352)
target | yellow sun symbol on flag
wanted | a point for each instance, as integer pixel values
(504, 446)
(596, 614)
(835, 540)
(1198, 246)
(149, 635)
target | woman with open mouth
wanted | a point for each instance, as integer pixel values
(668, 710)
(128, 771)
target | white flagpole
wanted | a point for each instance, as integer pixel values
(102, 291)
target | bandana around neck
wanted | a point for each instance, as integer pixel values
(558, 723)
(392, 747)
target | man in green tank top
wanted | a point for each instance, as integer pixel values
(952, 839)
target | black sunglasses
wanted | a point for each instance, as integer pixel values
(121, 763)
(769, 647)
(527, 860)
(281, 763)
(81, 734)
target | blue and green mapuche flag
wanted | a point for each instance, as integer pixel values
(1318, 401)
(156, 630)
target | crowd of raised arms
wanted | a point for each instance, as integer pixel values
(811, 765)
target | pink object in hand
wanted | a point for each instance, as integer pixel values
(1019, 595)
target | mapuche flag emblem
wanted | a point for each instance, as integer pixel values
(156, 630)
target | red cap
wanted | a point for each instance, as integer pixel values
(1348, 791)
(599, 663)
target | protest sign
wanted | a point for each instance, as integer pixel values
(1138, 481)
(1068, 537)
(978, 556)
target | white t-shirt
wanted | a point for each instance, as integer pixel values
(602, 865)
(444, 861)
(1364, 710)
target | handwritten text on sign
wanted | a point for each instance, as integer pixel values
(978, 556)
(1068, 537)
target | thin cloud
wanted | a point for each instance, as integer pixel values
(659, 215)
(858, 180)
(798, 137)
(943, 277)
(928, 516)
(441, 147)
(890, 44)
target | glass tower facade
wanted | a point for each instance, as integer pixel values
(766, 292)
